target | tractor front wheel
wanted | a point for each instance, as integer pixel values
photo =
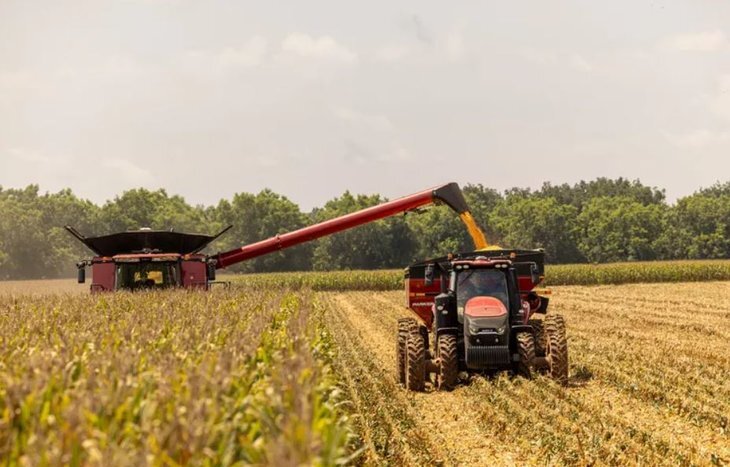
(448, 362)
(526, 351)
(404, 327)
(556, 351)
(415, 362)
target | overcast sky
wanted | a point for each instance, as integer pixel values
(209, 98)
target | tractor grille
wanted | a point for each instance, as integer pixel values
(487, 356)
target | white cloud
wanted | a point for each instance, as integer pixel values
(14, 83)
(698, 138)
(720, 103)
(250, 54)
(126, 170)
(392, 53)
(707, 41)
(580, 64)
(455, 47)
(373, 122)
(320, 48)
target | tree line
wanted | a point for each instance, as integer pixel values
(598, 221)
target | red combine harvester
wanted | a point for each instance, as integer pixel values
(475, 311)
(149, 259)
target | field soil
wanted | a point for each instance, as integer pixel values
(648, 385)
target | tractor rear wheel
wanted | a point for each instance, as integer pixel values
(556, 351)
(404, 327)
(539, 332)
(415, 367)
(526, 351)
(448, 358)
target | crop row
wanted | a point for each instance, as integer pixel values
(561, 274)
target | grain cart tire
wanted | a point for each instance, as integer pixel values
(526, 351)
(404, 327)
(415, 361)
(556, 352)
(448, 359)
(539, 332)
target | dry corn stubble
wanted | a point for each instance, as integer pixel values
(649, 384)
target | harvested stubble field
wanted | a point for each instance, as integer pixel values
(284, 377)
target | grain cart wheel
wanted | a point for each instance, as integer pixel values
(526, 351)
(448, 360)
(539, 332)
(415, 367)
(556, 351)
(404, 327)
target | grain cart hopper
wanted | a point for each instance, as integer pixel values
(476, 312)
(149, 259)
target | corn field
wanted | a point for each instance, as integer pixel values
(299, 369)
(561, 274)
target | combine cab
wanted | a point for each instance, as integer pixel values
(478, 311)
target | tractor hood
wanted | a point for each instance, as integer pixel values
(485, 307)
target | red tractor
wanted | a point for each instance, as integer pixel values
(476, 312)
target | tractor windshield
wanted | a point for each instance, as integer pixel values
(147, 275)
(480, 283)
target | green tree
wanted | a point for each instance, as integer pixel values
(140, 207)
(583, 192)
(258, 217)
(538, 223)
(698, 227)
(33, 242)
(385, 243)
(620, 229)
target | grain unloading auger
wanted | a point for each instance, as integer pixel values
(149, 259)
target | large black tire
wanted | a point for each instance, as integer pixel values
(415, 367)
(404, 327)
(526, 351)
(539, 331)
(448, 359)
(557, 348)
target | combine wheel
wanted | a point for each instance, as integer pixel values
(404, 327)
(415, 364)
(448, 358)
(526, 350)
(556, 352)
(540, 344)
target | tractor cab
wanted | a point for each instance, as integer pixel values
(481, 279)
